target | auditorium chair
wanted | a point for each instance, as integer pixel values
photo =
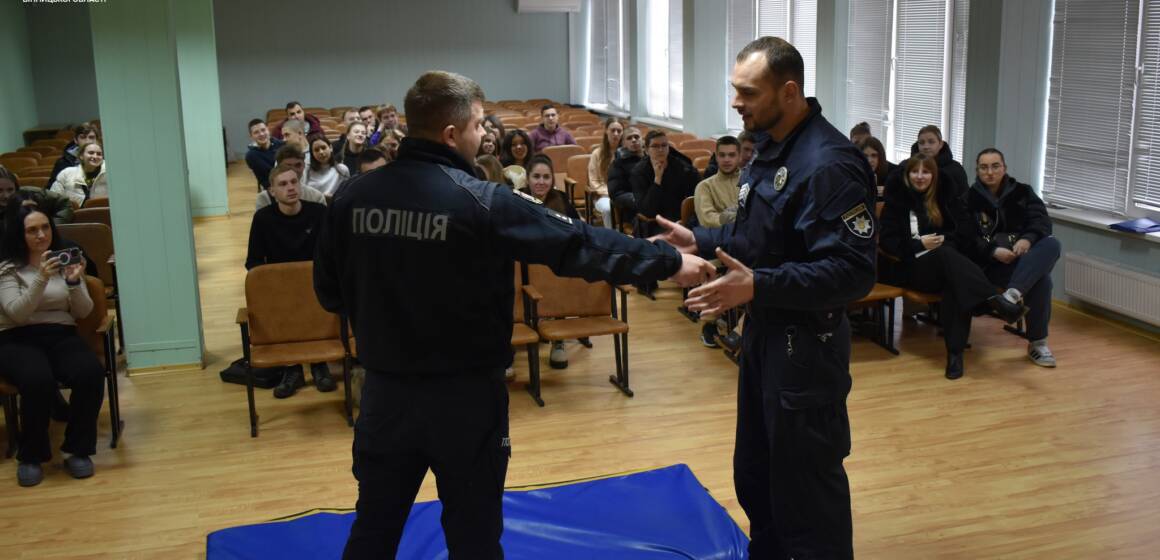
(559, 156)
(42, 152)
(96, 215)
(95, 329)
(284, 325)
(96, 241)
(695, 153)
(19, 162)
(39, 181)
(701, 163)
(572, 308)
(697, 144)
(524, 335)
(97, 202)
(675, 138)
(588, 142)
(576, 180)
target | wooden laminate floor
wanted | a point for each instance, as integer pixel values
(1012, 461)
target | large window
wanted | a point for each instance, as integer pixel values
(607, 63)
(907, 65)
(793, 20)
(1103, 115)
(664, 55)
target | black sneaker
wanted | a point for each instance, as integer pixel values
(954, 365)
(322, 379)
(292, 380)
(79, 466)
(709, 335)
(29, 474)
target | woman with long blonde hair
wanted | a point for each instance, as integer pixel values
(598, 167)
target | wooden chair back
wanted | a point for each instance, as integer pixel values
(98, 202)
(560, 154)
(97, 215)
(40, 181)
(696, 153)
(688, 210)
(589, 143)
(96, 240)
(282, 307)
(697, 144)
(701, 163)
(675, 138)
(88, 327)
(569, 297)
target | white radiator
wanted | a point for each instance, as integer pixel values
(1112, 286)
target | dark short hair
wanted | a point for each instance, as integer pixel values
(931, 128)
(876, 145)
(861, 128)
(388, 108)
(355, 111)
(653, 134)
(782, 60)
(746, 136)
(728, 141)
(366, 108)
(291, 105)
(287, 151)
(253, 123)
(545, 107)
(13, 246)
(438, 99)
(540, 159)
(990, 151)
(83, 129)
(370, 156)
(6, 173)
(280, 169)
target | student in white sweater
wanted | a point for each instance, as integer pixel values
(323, 174)
(40, 302)
(87, 180)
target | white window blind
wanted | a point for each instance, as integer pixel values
(664, 74)
(1145, 177)
(740, 29)
(795, 21)
(607, 64)
(919, 72)
(1093, 75)
(868, 66)
(958, 76)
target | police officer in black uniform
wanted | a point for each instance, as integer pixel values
(802, 248)
(419, 255)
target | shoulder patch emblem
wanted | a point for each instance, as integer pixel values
(779, 179)
(743, 194)
(859, 221)
(527, 196)
(559, 216)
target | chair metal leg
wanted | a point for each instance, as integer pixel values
(348, 403)
(250, 397)
(1019, 329)
(533, 386)
(621, 377)
(114, 392)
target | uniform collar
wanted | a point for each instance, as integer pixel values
(769, 149)
(419, 149)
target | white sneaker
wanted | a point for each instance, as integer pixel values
(558, 359)
(1041, 355)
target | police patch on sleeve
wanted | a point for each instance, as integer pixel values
(526, 196)
(743, 194)
(859, 221)
(559, 216)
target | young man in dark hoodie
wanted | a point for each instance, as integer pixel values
(630, 152)
(1014, 245)
(295, 112)
(260, 154)
(660, 183)
(930, 144)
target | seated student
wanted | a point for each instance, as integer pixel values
(349, 117)
(287, 232)
(492, 170)
(716, 202)
(392, 138)
(549, 133)
(295, 112)
(293, 158)
(388, 120)
(368, 161)
(40, 302)
(630, 153)
(366, 114)
(933, 260)
(323, 173)
(56, 206)
(489, 144)
(86, 180)
(661, 181)
(356, 142)
(875, 153)
(1014, 245)
(294, 134)
(747, 143)
(930, 143)
(83, 135)
(260, 153)
(491, 123)
(860, 132)
(541, 184)
(598, 166)
(516, 148)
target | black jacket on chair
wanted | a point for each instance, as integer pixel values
(1017, 213)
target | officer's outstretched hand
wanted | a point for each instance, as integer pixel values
(694, 271)
(676, 235)
(732, 289)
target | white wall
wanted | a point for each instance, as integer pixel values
(18, 109)
(356, 52)
(61, 43)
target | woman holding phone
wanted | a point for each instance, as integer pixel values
(40, 302)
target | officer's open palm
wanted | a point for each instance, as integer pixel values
(694, 271)
(680, 237)
(731, 290)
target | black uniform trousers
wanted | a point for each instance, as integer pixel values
(962, 285)
(792, 436)
(1031, 275)
(35, 358)
(454, 424)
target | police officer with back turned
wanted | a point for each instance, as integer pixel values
(419, 254)
(801, 249)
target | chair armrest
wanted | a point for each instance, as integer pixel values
(570, 188)
(532, 292)
(243, 316)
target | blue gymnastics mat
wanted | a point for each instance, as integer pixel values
(663, 513)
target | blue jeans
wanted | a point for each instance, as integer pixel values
(1031, 275)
